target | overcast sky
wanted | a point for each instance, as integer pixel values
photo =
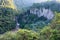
(36, 1)
(32, 1)
(20, 2)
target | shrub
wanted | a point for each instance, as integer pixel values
(21, 34)
(47, 33)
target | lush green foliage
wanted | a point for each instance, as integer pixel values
(21, 34)
(47, 33)
(7, 16)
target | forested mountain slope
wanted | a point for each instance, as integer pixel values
(32, 17)
(7, 15)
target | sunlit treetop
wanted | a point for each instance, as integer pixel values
(11, 4)
(7, 3)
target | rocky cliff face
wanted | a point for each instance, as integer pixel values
(42, 12)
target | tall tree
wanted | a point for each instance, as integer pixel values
(7, 16)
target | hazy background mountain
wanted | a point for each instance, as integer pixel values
(25, 3)
(22, 3)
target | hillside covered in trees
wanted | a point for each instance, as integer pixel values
(39, 21)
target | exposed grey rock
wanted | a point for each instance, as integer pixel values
(42, 12)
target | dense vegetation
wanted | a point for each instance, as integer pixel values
(29, 20)
(7, 17)
(21, 34)
(7, 21)
(47, 33)
(43, 30)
